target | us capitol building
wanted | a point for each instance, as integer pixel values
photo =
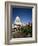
(17, 23)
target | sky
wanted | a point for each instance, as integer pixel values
(25, 14)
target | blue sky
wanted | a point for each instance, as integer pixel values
(25, 14)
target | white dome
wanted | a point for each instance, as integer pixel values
(17, 20)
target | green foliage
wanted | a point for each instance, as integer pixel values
(26, 29)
